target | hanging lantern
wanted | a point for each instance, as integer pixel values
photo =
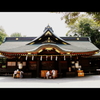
(69, 69)
(77, 64)
(26, 57)
(20, 66)
(51, 57)
(41, 58)
(64, 57)
(72, 62)
(32, 57)
(56, 58)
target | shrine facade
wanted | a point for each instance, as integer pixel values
(47, 52)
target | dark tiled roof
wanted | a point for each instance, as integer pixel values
(75, 38)
(32, 38)
(75, 46)
(61, 47)
(19, 38)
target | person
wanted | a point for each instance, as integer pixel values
(53, 73)
(15, 73)
(21, 74)
(50, 76)
(17, 70)
(47, 74)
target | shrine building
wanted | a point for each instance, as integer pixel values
(47, 52)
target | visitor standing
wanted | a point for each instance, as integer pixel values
(47, 74)
(53, 73)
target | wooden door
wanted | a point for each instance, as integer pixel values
(33, 68)
(48, 65)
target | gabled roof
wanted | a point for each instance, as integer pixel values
(47, 39)
(48, 36)
(37, 47)
(21, 46)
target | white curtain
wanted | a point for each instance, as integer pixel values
(32, 57)
(41, 58)
(26, 57)
(64, 57)
(51, 57)
(56, 58)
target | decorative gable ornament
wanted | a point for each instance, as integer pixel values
(48, 33)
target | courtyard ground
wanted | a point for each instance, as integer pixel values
(90, 81)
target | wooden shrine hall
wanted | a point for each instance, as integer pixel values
(37, 54)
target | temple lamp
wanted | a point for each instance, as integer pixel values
(20, 66)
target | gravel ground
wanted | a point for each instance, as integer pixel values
(90, 81)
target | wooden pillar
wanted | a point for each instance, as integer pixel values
(59, 66)
(38, 64)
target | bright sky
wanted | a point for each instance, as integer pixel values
(32, 23)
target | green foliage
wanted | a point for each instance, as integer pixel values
(86, 27)
(2, 34)
(71, 17)
(96, 16)
(80, 25)
(16, 34)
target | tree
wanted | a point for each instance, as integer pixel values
(2, 34)
(71, 17)
(96, 16)
(78, 26)
(16, 34)
(86, 27)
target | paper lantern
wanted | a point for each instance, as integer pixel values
(32, 57)
(20, 66)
